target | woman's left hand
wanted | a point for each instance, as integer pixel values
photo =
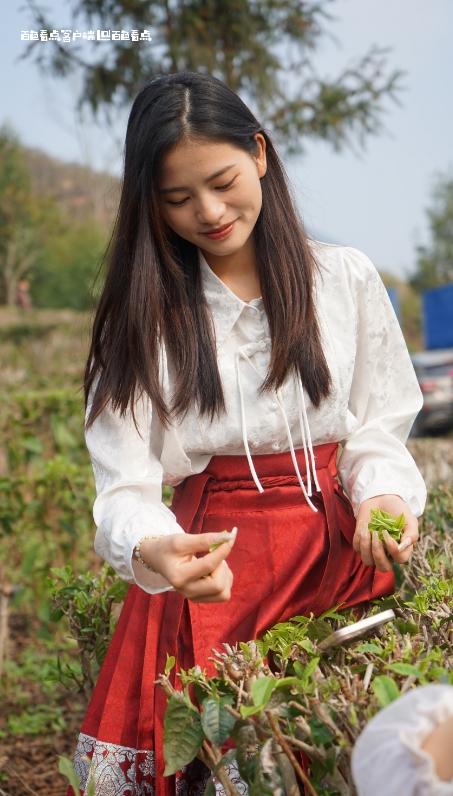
(371, 550)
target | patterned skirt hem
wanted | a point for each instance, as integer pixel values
(117, 770)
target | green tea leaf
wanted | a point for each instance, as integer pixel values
(183, 734)
(32, 444)
(386, 690)
(405, 668)
(381, 521)
(368, 646)
(169, 663)
(216, 545)
(210, 788)
(216, 720)
(262, 690)
(406, 627)
(66, 768)
(307, 672)
(319, 732)
(250, 710)
(284, 682)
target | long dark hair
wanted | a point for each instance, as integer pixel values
(153, 290)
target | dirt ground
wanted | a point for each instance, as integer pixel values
(29, 764)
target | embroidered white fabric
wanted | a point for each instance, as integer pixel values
(388, 756)
(116, 770)
(374, 401)
(112, 768)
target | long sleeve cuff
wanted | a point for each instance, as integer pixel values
(118, 532)
(367, 475)
(385, 468)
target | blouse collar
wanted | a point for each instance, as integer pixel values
(226, 306)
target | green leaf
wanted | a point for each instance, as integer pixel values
(169, 663)
(216, 721)
(262, 690)
(386, 690)
(66, 768)
(319, 732)
(319, 629)
(90, 788)
(264, 687)
(368, 646)
(217, 545)
(381, 521)
(406, 627)
(32, 444)
(405, 668)
(63, 437)
(210, 788)
(250, 710)
(117, 591)
(307, 672)
(183, 734)
(285, 682)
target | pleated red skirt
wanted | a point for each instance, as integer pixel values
(286, 560)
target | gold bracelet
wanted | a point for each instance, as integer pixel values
(137, 555)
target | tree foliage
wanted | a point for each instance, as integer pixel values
(22, 217)
(67, 268)
(262, 50)
(434, 265)
(39, 241)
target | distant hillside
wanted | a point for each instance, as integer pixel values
(80, 191)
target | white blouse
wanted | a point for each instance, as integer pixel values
(388, 756)
(374, 400)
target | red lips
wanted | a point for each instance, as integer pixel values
(218, 229)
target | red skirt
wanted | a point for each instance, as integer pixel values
(286, 560)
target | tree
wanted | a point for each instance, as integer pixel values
(262, 50)
(38, 239)
(23, 217)
(434, 266)
(68, 265)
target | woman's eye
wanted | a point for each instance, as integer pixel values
(218, 188)
(224, 187)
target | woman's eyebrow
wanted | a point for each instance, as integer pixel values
(184, 187)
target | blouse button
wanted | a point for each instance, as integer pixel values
(276, 446)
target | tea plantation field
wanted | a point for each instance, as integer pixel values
(58, 603)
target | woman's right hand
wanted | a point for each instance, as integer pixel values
(202, 579)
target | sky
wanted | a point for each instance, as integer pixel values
(375, 199)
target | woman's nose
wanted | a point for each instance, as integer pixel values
(210, 212)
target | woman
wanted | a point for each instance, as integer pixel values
(221, 330)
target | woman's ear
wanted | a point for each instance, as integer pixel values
(260, 157)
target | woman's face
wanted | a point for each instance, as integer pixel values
(207, 185)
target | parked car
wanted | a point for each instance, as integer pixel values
(434, 371)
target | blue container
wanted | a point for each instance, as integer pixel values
(438, 317)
